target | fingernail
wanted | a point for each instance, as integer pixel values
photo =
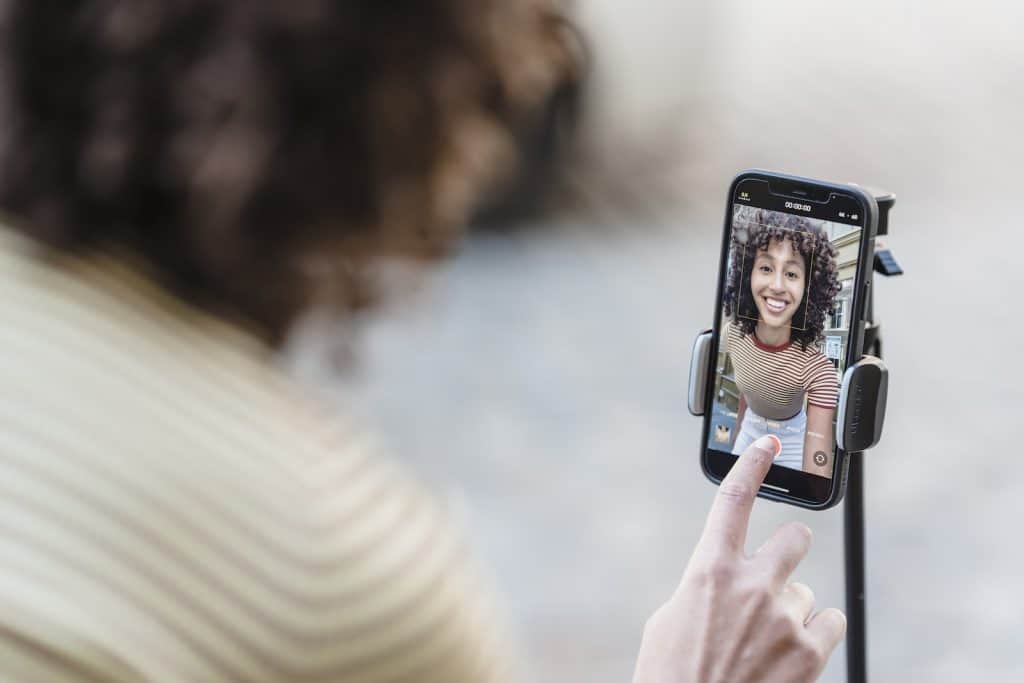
(840, 619)
(770, 443)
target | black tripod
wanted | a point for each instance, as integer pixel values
(853, 515)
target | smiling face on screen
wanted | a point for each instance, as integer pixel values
(777, 283)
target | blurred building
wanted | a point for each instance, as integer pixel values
(846, 241)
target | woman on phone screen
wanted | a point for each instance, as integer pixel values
(782, 283)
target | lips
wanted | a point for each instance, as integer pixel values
(775, 305)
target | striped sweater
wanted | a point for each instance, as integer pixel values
(172, 508)
(775, 380)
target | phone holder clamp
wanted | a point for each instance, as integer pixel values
(862, 396)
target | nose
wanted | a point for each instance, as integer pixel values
(776, 282)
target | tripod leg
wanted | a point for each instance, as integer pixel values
(856, 631)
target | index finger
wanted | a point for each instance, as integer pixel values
(730, 512)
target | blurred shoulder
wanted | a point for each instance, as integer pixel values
(218, 520)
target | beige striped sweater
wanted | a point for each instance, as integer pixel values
(173, 509)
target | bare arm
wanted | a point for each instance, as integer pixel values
(740, 411)
(818, 441)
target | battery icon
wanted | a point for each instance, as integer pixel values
(853, 216)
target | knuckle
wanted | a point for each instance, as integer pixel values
(809, 652)
(718, 571)
(781, 622)
(760, 599)
(837, 620)
(802, 591)
(802, 531)
(806, 668)
(758, 455)
(763, 592)
(792, 539)
(735, 492)
(816, 659)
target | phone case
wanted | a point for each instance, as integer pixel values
(856, 334)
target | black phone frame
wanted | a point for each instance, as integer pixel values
(860, 310)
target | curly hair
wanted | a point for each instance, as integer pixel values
(260, 153)
(755, 230)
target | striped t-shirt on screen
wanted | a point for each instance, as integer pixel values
(775, 379)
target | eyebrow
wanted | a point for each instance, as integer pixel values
(763, 254)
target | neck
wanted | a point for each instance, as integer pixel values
(771, 336)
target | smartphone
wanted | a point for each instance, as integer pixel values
(789, 316)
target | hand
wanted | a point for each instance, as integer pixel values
(733, 618)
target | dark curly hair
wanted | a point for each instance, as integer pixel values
(754, 230)
(258, 153)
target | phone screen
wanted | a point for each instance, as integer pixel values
(788, 314)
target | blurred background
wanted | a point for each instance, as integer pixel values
(538, 378)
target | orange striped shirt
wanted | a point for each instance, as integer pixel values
(775, 380)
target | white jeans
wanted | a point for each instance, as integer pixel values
(790, 432)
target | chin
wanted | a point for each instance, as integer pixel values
(775, 322)
(770, 319)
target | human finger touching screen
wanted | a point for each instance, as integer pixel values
(736, 617)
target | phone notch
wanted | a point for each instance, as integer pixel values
(820, 195)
